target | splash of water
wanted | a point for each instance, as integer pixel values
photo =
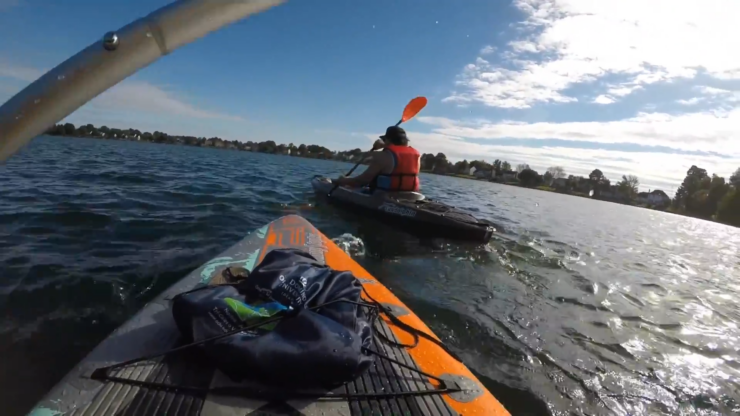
(354, 246)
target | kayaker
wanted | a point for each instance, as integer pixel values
(395, 169)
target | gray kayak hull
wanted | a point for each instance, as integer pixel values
(409, 210)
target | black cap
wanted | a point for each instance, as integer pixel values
(394, 133)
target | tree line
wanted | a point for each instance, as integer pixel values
(269, 146)
(700, 196)
(708, 197)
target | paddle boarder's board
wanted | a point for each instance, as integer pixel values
(153, 330)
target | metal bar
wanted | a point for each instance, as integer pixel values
(74, 82)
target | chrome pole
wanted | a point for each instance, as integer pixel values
(74, 82)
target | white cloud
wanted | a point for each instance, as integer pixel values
(691, 101)
(570, 42)
(625, 89)
(18, 72)
(144, 97)
(729, 74)
(128, 96)
(604, 99)
(726, 99)
(517, 88)
(705, 131)
(487, 50)
(712, 91)
(523, 46)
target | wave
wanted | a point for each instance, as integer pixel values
(568, 310)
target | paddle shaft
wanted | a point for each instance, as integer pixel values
(358, 163)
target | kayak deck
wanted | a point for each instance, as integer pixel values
(152, 330)
(422, 216)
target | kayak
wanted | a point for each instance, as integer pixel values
(405, 386)
(410, 210)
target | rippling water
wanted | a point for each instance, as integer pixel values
(575, 306)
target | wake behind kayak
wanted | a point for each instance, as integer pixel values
(417, 375)
(409, 210)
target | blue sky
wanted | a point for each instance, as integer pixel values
(619, 85)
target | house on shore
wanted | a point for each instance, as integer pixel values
(613, 194)
(508, 176)
(504, 176)
(559, 183)
(656, 198)
(483, 174)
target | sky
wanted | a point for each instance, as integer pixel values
(630, 87)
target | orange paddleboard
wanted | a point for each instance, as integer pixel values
(413, 378)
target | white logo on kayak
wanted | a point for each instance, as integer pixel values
(395, 209)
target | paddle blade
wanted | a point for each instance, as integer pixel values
(413, 108)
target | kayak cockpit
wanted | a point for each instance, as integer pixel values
(405, 196)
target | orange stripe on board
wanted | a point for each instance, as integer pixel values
(271, 236)
(429, 357)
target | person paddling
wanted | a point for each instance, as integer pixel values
(395, 169)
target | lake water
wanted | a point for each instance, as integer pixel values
(574, 307)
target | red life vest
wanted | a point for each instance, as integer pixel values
(405, 175)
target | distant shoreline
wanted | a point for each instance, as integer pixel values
(338, 158)
(104, 133)
(358, 156)
(542, 188)
(669, 209)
